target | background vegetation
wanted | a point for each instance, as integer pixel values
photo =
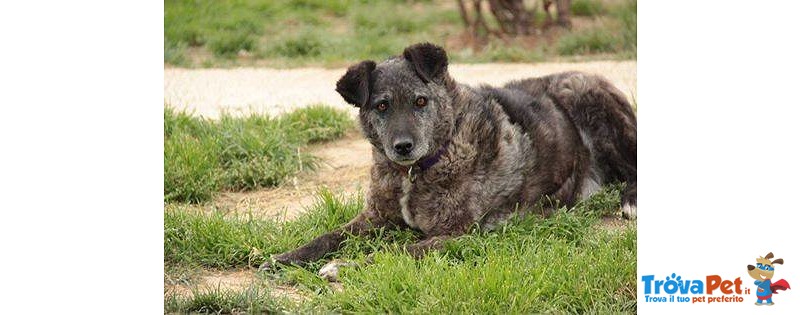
(289, 33)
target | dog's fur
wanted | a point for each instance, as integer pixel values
(496, 151)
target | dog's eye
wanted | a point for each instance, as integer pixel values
(421, 101)
(382, 106)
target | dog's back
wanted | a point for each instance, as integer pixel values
(597, 124)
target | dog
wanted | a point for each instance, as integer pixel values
(447, 156)
(763, 272)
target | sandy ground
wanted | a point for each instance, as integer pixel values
(205, 281)
(209, 91)
(345, 162)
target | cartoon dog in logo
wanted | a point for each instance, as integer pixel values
(763, 272)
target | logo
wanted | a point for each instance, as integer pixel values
(710, 289)
(763, 272)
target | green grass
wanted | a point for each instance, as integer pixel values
(619, 38)
(626, 15)
(174, 53)
(219, 241)
(203, 156)
(318, 123)
(587, 8)
(563, 263)
(254, 299)
(588, 42)
(292, 33)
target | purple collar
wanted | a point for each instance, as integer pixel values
(422, 164)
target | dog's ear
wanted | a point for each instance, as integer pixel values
(429, 61)
(354, 85)
(769, 255)
(778, 261)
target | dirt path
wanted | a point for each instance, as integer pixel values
(205, 281)
(344, 170)
(273, 91)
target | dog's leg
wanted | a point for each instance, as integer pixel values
(629, 200)
(362, 224)
(330, 271)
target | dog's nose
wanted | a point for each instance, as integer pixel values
(403, 146)
(751, 267)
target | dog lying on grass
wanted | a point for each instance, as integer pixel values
(447, 156)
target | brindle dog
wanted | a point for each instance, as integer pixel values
(447, 156)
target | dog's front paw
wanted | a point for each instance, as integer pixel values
(330, 271)
(274, 263)
(269, 265)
